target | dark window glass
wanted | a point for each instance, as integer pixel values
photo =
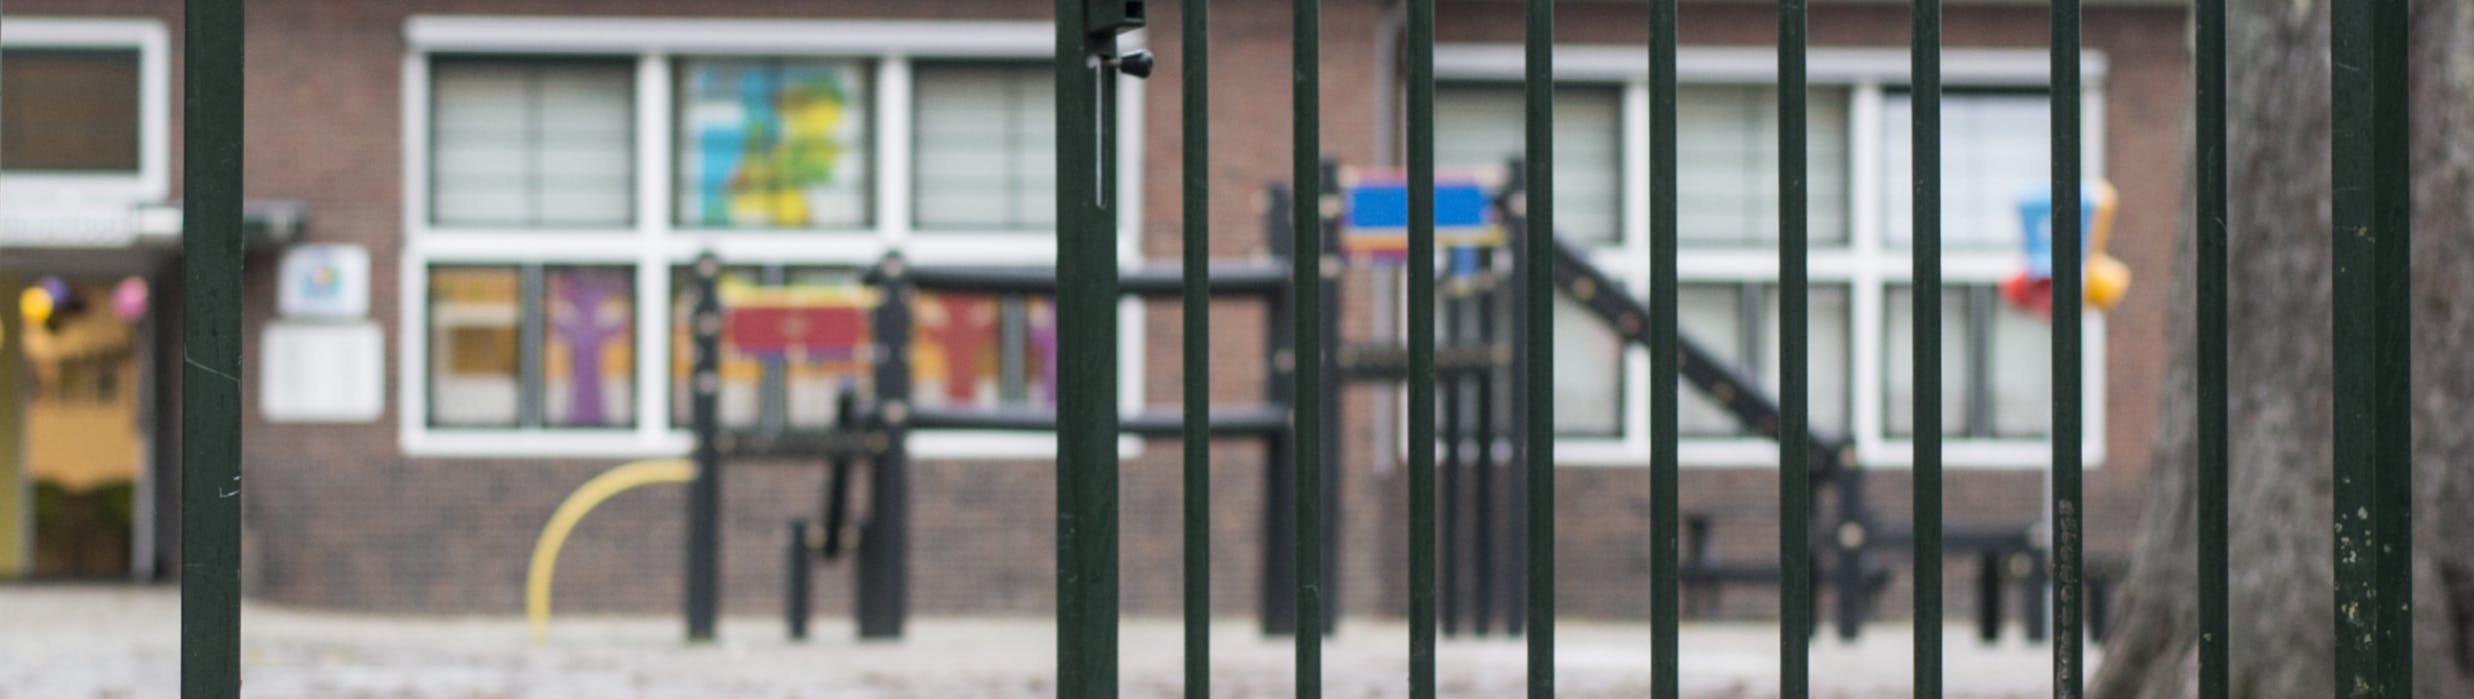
(69, 110)
(1996, 366)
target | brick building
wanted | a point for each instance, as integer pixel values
(525, 178)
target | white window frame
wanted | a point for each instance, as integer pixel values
(654, 243)
(1865, 264)
(152, 181)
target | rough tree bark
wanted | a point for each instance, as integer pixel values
(2282, 579)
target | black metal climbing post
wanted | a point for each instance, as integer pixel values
(798, 562)
(704, 496)
(1328, 267)
(883, 570)
(1496, 576)
(1279, 591)
(1455, 432)
(210, 506)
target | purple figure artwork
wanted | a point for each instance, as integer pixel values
(585, 320)
(1043, 341)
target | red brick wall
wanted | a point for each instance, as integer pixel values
(339, 517)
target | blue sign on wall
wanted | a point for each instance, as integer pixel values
(1375, 225)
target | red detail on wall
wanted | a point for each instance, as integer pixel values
(772, 330)
(962, 327)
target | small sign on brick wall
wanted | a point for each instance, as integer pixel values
(325, 372)
(324, 281)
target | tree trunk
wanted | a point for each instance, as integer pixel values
(2282, 577)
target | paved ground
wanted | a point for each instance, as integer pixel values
(75, 643)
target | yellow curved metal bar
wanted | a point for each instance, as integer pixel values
(553, 537)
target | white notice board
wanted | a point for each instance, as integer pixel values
(322, 372)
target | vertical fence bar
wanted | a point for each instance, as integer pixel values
(1795, 483)
(1925, 246)
(1195, 82)
(1087, 370)
(2392, 212)
(1538, 294)
(2374, 516)
(210, 591)
(2067, 301)
(2215, 580)
(1663, 360)
(1421, 349)
(1306, 275)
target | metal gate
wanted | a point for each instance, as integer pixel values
(2373, 656)
(2373, 659)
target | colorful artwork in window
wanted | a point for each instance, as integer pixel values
(588, 348)
(984, 351)
(475, 350)
(772, 144)
(797, 390)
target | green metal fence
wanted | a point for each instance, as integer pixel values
(2373, 657)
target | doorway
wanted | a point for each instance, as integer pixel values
(80, 349)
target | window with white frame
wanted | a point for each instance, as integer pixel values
(1727, 172)
(567, 171)
(69, 110)
(1999, 382)
(531, 142)
(531, 346)
(987, 140)
(1997, 373)
(773, 143)
(84, 108)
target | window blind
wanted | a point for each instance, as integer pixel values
(1479, 127)
(1992, 145)
(986, 146)
(1727, 165)
(532, 143)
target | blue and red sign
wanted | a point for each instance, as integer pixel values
(1375, 222)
